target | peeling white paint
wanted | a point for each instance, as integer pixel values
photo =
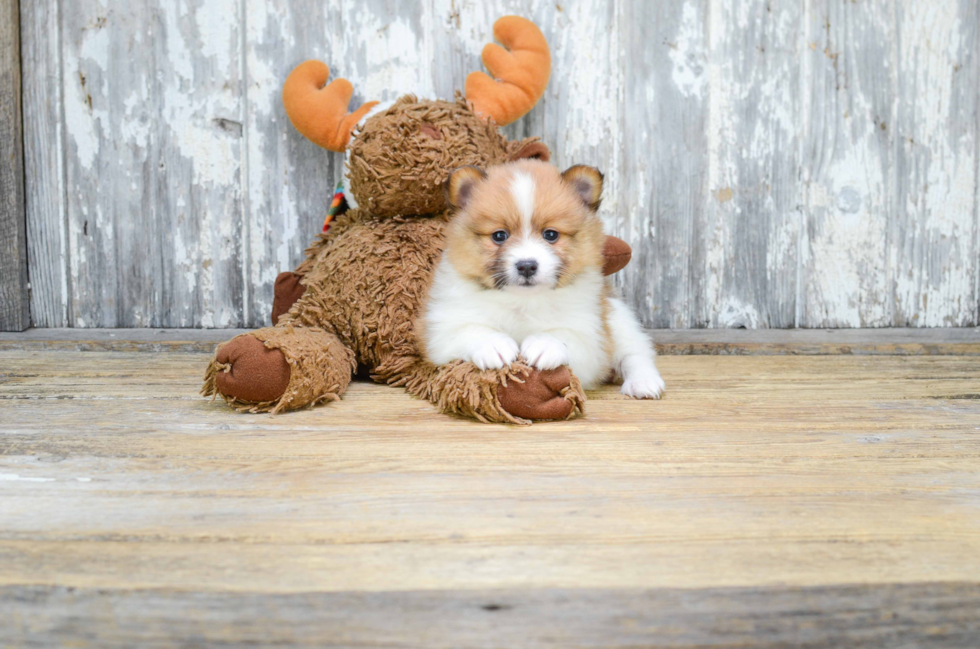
(85, 92)
(179, 54)
(387, 59)
(850, 244)
(941, 187)
(217, 41)
(686, 53)
(846, 189)
(13, 477)
(736, 314)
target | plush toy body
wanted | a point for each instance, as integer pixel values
(355, 299)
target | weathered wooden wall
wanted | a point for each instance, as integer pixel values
(774, 163)
(14, 313)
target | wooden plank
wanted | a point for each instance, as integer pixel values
(935, 192)
(891, 234)
(909, 615)
(386, 46)
(900, 341)
(15, 314)
(153, 110)
(746, 254)
(664, 110)
(44, 161)
(860, 342)
(848, 165)
(290, 181)
(827, 500)
(38, 376)
(127, 340)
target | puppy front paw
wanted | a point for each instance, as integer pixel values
(494, 352)
(544, 352)
(647, 385)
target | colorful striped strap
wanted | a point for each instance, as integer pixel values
(337, 206)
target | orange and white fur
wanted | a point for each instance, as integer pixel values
(521, 275)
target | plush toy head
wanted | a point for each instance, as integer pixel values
(400, 156)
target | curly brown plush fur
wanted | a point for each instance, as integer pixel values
(401, 158)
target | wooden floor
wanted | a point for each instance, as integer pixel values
(765, 501)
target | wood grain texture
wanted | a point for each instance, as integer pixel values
(938, 118)
(848, 165)
(764, 501)
(152, 160)
(904, 341)
(873, 617)
(15, 312)
(44, 150)
(889, 153)
(773, 164)
(290, 181)
(664, 109)
(749, 229)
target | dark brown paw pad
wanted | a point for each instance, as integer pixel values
(251, 372)
(540, 396)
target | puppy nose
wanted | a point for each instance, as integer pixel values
(527, 267)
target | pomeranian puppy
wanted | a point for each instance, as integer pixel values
(521, 274)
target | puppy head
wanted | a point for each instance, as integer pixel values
(523, 225)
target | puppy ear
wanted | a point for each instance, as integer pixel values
(587, 183)
(460, 184)
(535, 150)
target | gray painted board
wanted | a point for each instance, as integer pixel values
(667, 114)
(153, 196)
(774, 163)
(890, 164)
(289, 182)
(923, 615)
(14, 307)
(903, 341)
(44, 162)
(847, 165)
(935, 261)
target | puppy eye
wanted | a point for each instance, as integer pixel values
(500, 236)
(550, 235)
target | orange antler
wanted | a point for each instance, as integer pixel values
(520, 75)
(320, 112)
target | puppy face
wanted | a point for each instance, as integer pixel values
(524, 225)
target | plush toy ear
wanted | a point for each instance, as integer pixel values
(587, 183)
(459, 186)
(317, 109)
(518, 74)
(536, 150)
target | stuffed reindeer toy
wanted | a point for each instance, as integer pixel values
(354, 301)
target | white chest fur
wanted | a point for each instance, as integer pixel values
(461, 313)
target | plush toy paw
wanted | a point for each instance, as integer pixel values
(253, 372)
(494, 352)
(286, 291)
(648, 385)
(544, 352)
(540, 396)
